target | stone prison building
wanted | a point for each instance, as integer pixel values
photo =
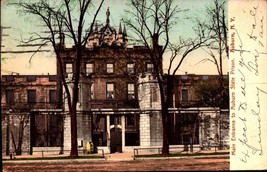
(118, 108)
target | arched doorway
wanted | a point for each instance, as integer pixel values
(115, 140)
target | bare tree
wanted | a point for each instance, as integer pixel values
(208, 92)
(62, 18)
(151, 22)
(218, 48)
(19, 122)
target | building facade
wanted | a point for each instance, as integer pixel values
(109, 83)
(31, 114)
(119, 105)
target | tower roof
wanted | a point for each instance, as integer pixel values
(107, 29)
(120, 30)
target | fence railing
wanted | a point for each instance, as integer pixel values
(182, 148)
(51, 153)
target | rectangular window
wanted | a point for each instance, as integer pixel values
(185, 95)
(52, 78)
(130, 91)
(132, 130)
(89, 68)
(31, 78)
(184, 77)
(130, 121)
(110, 68)
(130, 68)
(69, 68)
(10, 78)
(31, 96)
(205, 77)
(110, 91)
(100, 130)
(48, 130)
(52, 96)
(150, 67)
(10, 97)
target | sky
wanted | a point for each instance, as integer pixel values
(20, 26)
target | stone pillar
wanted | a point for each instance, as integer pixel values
(201, 131)
(144, 130)
(67, 134)
(123, 132)
(108, 131)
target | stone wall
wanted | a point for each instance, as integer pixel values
(84, 130)
(156, 129)
(214, 129)
(144, 130)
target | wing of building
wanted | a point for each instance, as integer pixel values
(119, 105)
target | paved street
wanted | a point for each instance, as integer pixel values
(219, 163)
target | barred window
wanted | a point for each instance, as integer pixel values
(48, 130)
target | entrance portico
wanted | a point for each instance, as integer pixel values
(115, 131)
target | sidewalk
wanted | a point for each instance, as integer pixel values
(126, 156)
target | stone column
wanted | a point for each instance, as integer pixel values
(67, 134)
(123, 132)
(108, 131)
(144, 130)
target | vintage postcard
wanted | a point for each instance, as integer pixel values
(114, 80)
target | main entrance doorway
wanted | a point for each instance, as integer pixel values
(115, 140)
(115, 133)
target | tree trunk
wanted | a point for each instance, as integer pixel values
(20, 139)
(74, 150)
(165, 119)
